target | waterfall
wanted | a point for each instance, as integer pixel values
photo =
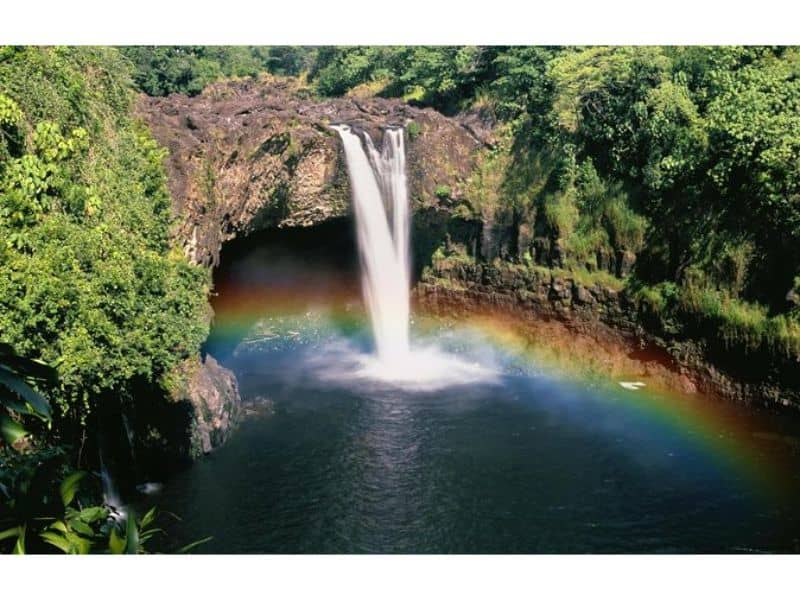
(115, 444)
(378, 182)
(383, 224)
(111, 497)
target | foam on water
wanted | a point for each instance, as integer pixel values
(342, 363)
(378, 183)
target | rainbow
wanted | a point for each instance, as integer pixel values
(728, 434)
(240, 307)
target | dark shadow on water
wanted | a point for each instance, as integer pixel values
(287, 270)
(281, 270)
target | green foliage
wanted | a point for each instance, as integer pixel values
(675, 136)
(745, 324)
(441, 76)
(18, 378)
(561, 213)
(78, 530)
(43, 505)
(687, 157)
(163, 70)
(583, 276)
(89, 281)
(521, 86)
(484, 189)
(443, 192)
(754, 132)
(337, 70)
(26, 478)
(33, 184)
(413, 128)
(11, 431)
(12, 135)
(84, 86)
(710, 164)
(71, 526)
(626, 228)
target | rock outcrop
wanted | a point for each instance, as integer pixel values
(214, 393)
(698, 362)
(251, 155)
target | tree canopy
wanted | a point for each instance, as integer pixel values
(89, 281)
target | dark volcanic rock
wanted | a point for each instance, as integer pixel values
(704, 363)
(581, 294)
(214, 394)
(250, 155)
(480, 123)
(793, 298)
(625, 261)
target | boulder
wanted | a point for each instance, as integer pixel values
(581, 295)
(213, 393)
(559, 253)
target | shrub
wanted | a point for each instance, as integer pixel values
(626, 228)
(561, 213)
(443, 192)
(89, 280)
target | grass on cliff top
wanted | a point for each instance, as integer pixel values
(588, 278)
(737, 322)
(369, 89)
(580, 275)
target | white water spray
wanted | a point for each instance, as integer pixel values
(378, 183)
(383, 218)
(111, 497)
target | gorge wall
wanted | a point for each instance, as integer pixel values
(248, 156)
(612, 317)
(252, 155)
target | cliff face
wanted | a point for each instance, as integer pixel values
(254, 155)
(250, 155)
(611, 315)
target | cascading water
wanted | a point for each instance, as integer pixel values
(379, 189)
(383, 249)
(111, 497)
(390, 168)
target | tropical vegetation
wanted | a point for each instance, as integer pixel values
(687, 158)
(681, 162)
(90, 283)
